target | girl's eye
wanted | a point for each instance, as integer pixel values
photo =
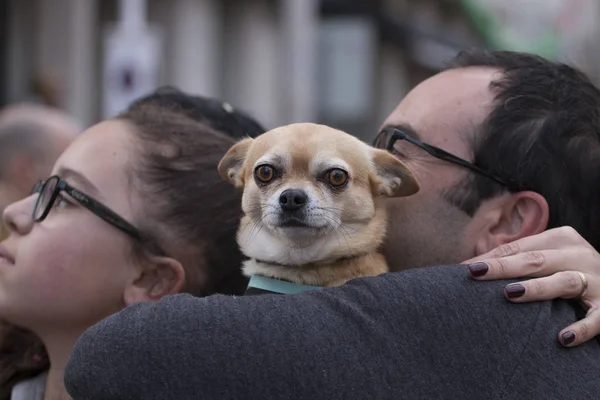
(61, 202)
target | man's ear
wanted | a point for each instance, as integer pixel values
(230, 166)
(394, 179)
(511, 217)
(157, 278)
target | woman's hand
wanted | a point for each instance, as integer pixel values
(565, 265)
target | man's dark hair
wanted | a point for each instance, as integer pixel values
(219, 115)
(543, 135)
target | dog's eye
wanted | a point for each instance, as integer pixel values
(337, 177)
(264, 173)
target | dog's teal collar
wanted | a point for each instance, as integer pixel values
(261, 284)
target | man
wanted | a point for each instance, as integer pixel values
(503, 146)
(532, 123)
(31, 138)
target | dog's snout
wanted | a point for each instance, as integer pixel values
(293, 199)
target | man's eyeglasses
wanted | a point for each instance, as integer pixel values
(387, 138)
(49, 191)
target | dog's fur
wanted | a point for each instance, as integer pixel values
(335, 236)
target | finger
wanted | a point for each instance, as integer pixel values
(504, 250)
(565, 285)
(581, 331)
(531, 263)
(554, 238)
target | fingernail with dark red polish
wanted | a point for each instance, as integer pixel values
(514, 290)
(568, 337)
(478, 269)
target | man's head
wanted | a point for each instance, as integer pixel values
(31, 139)
(526, 121)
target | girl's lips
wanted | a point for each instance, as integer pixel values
(5, 257)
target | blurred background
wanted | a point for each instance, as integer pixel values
(346, 63)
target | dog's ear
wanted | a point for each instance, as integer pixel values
(230, 166)
(394, 177)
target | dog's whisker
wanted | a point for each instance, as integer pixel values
(338, 229)
(255, 227)
(258, 225)
(344, 235)
(329, 209)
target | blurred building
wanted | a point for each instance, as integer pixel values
(346, 63)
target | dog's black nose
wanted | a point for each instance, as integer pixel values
(293, 199)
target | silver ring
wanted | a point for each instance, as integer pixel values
(584, 284)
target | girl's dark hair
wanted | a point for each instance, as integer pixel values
(190, 210)
(219, 115)
(22, 356)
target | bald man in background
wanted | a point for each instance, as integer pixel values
(32, 137)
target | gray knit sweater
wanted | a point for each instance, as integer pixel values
(430, 333)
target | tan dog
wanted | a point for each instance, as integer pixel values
(312, 203)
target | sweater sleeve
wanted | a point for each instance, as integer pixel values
(430, 333)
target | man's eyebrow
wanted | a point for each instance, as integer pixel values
(406, 128)
(85, 184)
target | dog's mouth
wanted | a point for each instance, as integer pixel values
(293, 222)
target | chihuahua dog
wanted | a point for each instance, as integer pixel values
(312, 203)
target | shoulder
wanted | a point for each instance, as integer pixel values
(439, 295)
(422, 332)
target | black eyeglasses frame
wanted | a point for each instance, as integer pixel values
(391, 135)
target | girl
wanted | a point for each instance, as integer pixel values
(134, 211)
